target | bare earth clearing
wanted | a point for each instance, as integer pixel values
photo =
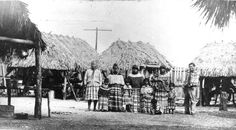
(70, 114)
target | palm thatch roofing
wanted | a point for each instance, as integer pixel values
(217, 60)
(62, 53)
(218, 12)
(126, 54)
(15, 23)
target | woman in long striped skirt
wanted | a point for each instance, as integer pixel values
(146, 96)
(116, 83)
(160, 91)
(136, 81)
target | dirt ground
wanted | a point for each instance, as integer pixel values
(70, 114)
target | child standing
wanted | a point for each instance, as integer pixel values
(171, 99)
(127, 98)
(103, 95)
(146, 96)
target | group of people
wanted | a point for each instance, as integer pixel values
(135, 93)
(152, 94)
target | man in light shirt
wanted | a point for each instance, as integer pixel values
(191, 89)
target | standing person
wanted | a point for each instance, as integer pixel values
(76, 80)
(127, 98)
(159, 90)
(103, 94)
(136, 81)
(116, 83)
(191, 89)
(146, 96)
(223, 97)
(162, 87)
(171, 98)
(92, 81)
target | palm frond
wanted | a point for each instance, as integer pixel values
(218, 12)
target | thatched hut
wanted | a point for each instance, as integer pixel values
(126, 54)
(18, 33)
(217, 65)
(217, 59)
(61, 53)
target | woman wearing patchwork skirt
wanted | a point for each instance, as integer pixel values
(116, 83)
(146, 96)
(103, 94)
(160, 91)
(92, 80)
(136, 81)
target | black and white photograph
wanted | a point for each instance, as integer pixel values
(117, 64)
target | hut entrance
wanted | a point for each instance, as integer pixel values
(213, 86)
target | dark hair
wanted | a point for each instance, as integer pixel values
(135, 67)
(106, 80)
(191, 64)
(115, 65)
(118, 71)
(146, 80)
(127, 80)
(162, 67)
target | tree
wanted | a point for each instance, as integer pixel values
(218, 12)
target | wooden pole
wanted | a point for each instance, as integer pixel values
(15, 40)
(201, 91)
(9, 92)
(38, 94)
(49, 109)
(96, 45)
(64, 88)
(96, 29)
(3, 75)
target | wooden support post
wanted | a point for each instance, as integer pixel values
(64, 88)
(201, 91)
(38, 94)
(3, 75)
(9, 93)
(73, 91)
(49, 109)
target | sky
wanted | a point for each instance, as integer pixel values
(174, 27)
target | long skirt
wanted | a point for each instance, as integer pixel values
(103, 103)
(115, 98)
(127, 99)
(91, 93)
(162, 99)
(146, 104)
(136, 100)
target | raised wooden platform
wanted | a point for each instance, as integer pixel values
(6, 111)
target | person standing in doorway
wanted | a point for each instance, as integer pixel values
(92, 81)
(191, 89)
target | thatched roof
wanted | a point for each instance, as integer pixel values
(62, 52)
(15, 23)
(126, 54)
(218, 12)
(217, 59)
